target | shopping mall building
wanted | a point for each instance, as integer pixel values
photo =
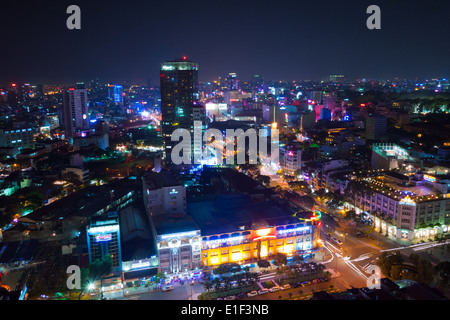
(231, 228)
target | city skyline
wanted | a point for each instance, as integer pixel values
(200, 151)
(293, 41)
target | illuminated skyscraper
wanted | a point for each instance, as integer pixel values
(103, 235)
(115, 94)
(75, 112)
(179, 94)
(232, 82)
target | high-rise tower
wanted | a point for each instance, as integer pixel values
(179, 95)
(75, 112)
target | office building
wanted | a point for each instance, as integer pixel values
(389, 156)
(404, 206)
(163, 194)
(115, 94)
(375, 126)
(179, 93)
(103, 235)
(290, 159)
(20, 138)
(232, 82)
(75, 112)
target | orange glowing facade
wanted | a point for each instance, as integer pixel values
(263, 243)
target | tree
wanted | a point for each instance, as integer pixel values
(298, 258)
(227, 283)
(160, 276)
(280, 259)
(34, 200)
(100, 268)
(217, 283)
(425, 271)
(222, 269)
(443, 270)
(85, 282)
(263, 263)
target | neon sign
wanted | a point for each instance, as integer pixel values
(103, 237)
(298, 229)
(181, 234)
(140, 264)
(217, 241)
(429, 178)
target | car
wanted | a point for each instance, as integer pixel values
(305, 283)
(263, 291)
(285, 287)
(360, 234)
(315, 281)
(274, 289)
(230, 298)
(295, 285)
(252, 294)
(167, 288)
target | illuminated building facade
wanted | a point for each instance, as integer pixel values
(21, 138)
(179, 93)
(389, 156)
(230, 228)
(254, 244)
(103, 234)
(163, 194)
(75, 112)
(115, 94)
(290, 159)
(235, 228)
(419, 209)
(178, 243)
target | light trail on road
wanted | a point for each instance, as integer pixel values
(418, 246)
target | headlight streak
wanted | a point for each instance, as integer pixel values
(349, 263)
(418, 246)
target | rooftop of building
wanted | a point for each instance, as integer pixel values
(136, 234)
(420, 291)
(85, 202)
(160, 180)
(233, 212)
(176, 223)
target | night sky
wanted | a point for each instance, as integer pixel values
(281, 40)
